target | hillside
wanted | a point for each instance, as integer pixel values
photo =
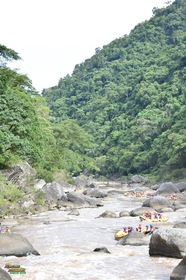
(130, 96)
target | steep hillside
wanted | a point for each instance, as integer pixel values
(131, 97)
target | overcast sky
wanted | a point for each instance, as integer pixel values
(52, 36)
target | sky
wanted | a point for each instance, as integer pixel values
(52, 36)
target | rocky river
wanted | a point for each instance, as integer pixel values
(66, 243)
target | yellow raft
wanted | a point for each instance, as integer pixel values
(120, 234)
(153, 220)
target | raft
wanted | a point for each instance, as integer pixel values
(120, 234)
(153, 220)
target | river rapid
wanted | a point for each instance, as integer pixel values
(66, 244)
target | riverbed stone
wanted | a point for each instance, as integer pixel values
(140, 211)
(108, 214)
(4, 275)
(157, 202)
(124, 213)
(95, 193)
(167, 188)
(168, 242)
(180, 225)
(12, 244)
(102, 250)
(179, 272)
(134, 238)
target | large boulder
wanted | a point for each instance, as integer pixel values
(168, 242)
(22, 175)
(157, 202)
(167, 188)
(12, 244)
(4, 275)
(95, 193)
(180, 225)
(140, 211)
(54, 191)
(179, 272)
(108, 214)
(138, 179)
(124, 213)
(134, 238)
(181, 186)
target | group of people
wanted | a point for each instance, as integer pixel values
(4, 229)
(149, 229)
(154, 215)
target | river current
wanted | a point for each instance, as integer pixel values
(66, 245)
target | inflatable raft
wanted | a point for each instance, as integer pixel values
(153, 220)
(120, 234)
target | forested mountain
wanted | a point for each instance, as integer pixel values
(130, 96)
(27, 131)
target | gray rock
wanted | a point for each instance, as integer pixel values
(180, 225)
(124, 214)
(95, 193)
(157, 202)
(74, 212)
(102, 250)
(140, 211)
(54, 191)
(134, 238)
(108, 214)
(12, 244)
(181, 186)
(39, 184)
(179, 272)
(4, 275)
(138, 179)
(167, 188)
(155, 187)
(168, 242)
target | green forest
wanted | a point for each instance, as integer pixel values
(121, 112)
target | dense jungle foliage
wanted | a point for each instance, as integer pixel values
(130, 96)
(121, 112)
(27, 131)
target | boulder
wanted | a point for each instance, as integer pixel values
(168, 242)
(108, 214)
(154, 187)
(140, 211)
(78, 200)
(167, 188)
(134, 238)
(181, 186)
(4, 275)
(180, 225)
(138, 179)
(39, 184)
(95, 193)
(22, 175)
(12, 244)
(74, 212)
(179, 272)
(67, 187)
(102, 250)
(157, 202)
(124, 214)
(54, 191)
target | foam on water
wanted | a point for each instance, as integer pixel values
(67, 244)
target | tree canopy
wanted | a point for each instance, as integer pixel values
(130, 96)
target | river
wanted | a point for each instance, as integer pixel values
(66, 245)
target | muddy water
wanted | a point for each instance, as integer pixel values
(66, 246)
